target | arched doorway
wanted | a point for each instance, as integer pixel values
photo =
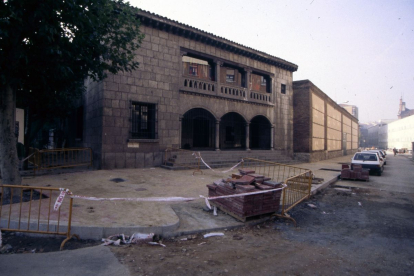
(232, 131)
(260, 133)
(198, 129)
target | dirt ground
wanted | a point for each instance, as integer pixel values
(356, 232)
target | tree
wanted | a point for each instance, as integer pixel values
(47, 49)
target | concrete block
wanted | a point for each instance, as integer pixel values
(149, 159)
(108, 161)
(120, 160)
(139, 160)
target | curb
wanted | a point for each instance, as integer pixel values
(325, 185)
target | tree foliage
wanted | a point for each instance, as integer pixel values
(48, 48)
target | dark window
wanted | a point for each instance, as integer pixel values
(229, 75)
(283, 88)
(263, 81)
(144, 121)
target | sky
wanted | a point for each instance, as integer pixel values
(357, 52)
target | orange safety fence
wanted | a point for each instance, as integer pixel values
(31, 210)
(298, 181)
(47, 159)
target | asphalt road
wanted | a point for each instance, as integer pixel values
(398, 176)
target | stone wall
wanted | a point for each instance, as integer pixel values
(93, 116)
(108, 113)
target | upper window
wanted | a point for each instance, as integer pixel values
(283, 88)
(230, 75)
(259, 83)
(198, 68)
(144, 118)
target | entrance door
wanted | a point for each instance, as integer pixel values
(201, 132)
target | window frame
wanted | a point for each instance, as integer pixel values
(144, 120)
(283, 88)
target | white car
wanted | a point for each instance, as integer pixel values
(369, 160)
(381, 154)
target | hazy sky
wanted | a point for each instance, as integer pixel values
(356, 51)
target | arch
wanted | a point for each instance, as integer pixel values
(232, 131)
(198, 129)
(260, 133)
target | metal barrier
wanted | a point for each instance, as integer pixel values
(170, 157)
(30, 210)
(298, 182)
(59, 158)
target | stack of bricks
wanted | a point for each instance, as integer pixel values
(249, 205)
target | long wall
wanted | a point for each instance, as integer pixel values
(322, 129)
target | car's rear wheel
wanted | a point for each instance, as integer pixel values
(379, 173)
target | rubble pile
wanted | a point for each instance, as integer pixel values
(246, 181)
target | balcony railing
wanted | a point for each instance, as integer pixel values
(224, 90)
(258, 97)
(199, 86)
(234, 92)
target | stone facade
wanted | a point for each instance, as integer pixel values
(322, 129)
(131, 118)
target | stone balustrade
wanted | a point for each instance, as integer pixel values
(224, 90)
(199, 86)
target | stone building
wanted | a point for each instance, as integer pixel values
(322, 129)
(193, 90)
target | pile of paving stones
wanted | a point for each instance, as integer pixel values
(247, 181)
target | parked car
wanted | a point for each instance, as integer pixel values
(369, 160)
(381, 154)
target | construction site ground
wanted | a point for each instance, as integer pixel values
(350, 227)
(99, 219)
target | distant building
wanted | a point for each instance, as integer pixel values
(404, 111)
(363, 134)
(352, 109)
(377, 134)
(401, 133)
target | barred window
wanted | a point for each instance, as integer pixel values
(144, 121)
(283, 88)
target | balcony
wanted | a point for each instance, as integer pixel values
(229, 91)
(198, 86)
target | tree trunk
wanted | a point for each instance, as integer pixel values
(9, 162)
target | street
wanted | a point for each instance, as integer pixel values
(367, 229)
